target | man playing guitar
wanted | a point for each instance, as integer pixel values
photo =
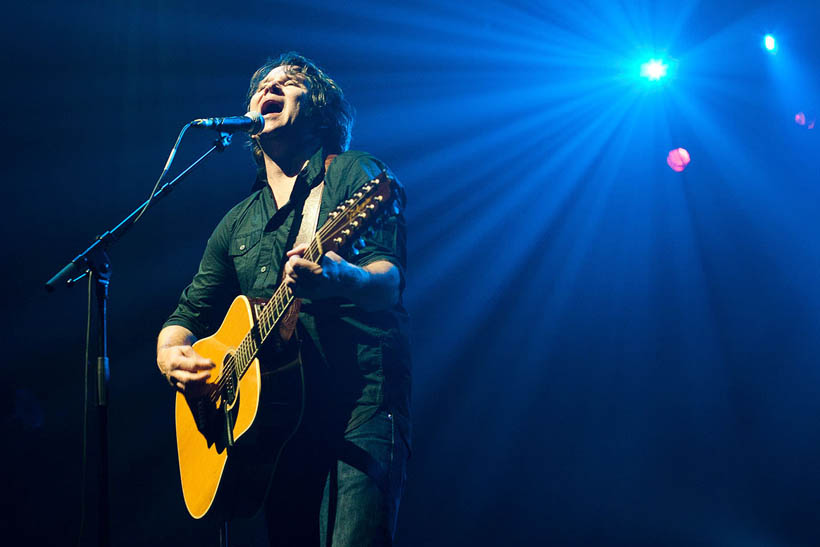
(341, 474)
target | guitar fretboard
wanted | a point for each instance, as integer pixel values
(268, 319)
(347, 220)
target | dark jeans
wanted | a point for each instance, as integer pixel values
(341, 494)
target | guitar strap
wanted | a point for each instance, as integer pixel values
(307, 229)
(310, 210)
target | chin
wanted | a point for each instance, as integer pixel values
(270, 133)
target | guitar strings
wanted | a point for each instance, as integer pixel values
(281, 296)
(247, 353)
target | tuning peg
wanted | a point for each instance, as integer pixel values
(396, 209)
(360, 242)
(354, 250)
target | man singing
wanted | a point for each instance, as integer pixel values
(341, 476)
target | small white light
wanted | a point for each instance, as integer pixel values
(654, 69)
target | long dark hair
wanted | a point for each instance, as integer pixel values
(332, 114)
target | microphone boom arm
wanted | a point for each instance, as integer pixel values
(81, 264)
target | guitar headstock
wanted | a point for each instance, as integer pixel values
(355, 215)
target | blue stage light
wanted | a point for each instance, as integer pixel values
(770, 43)
(654, 69)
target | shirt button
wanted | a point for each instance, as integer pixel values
(264, 269)
(242, 247)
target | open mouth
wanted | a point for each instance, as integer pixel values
(271, 107)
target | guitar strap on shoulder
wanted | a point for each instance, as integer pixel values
(310, 219)
(310, 210)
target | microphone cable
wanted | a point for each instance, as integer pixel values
(164, 171)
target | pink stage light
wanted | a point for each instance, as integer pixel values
(801, 119)
(678, 159)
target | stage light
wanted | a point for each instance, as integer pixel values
(770, 43)
(654, 69)
(802, 119)
(678, 159)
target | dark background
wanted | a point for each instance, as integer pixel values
(606, 352)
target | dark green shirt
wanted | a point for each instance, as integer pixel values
(365, 355)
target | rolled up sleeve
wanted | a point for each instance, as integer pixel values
(388, 240)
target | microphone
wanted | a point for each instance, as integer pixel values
(252, 123)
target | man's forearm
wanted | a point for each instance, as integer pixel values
(174, 335)
(375, 287)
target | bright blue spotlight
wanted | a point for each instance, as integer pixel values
(770, 43)
(654, 69)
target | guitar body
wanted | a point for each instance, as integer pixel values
(212, 445)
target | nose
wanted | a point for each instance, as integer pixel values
(272, 87)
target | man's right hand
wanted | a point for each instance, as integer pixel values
(185, 369)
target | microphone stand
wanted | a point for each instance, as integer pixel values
(95, 263)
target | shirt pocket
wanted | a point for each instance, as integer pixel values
(244, 251)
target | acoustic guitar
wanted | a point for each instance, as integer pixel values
(228, 442)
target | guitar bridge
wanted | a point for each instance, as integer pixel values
(228, 425)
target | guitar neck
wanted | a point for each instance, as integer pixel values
(269, 317)
(344, 223)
